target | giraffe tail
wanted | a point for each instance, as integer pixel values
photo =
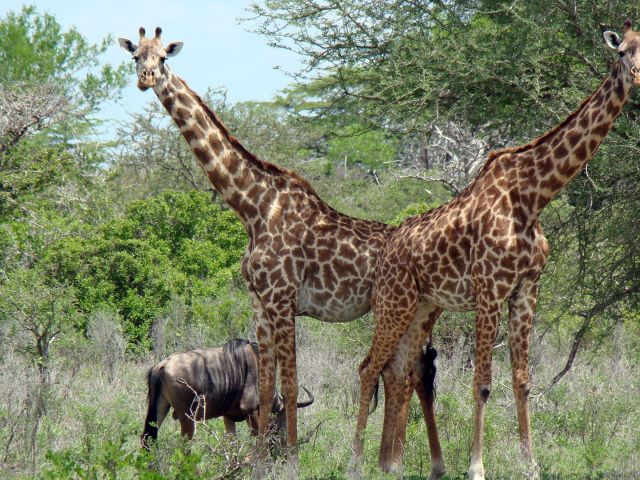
(376, 389)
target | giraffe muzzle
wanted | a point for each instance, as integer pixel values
(147, 80)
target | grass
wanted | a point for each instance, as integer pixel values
(587, 427)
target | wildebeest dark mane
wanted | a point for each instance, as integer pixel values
(230, 375)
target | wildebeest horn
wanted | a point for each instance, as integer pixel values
(308, 402)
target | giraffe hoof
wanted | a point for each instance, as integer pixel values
(392, 466)
(355, 469)
(437, 472)
(476, 473)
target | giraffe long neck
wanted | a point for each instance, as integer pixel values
(232, 170)
(558, 156)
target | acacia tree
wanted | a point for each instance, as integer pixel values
(51, 84)
(33, 315)
(518, 68)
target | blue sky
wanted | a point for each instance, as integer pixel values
(218, 51)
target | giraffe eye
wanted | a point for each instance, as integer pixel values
(162, 59)
(621, 54)
(135, 58)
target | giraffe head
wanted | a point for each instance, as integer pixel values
(149, 56)
(628, 47)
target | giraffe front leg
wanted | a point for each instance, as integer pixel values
(391, 324)
(285, 345)
(522, 306)
(266, 383)
(487, 318)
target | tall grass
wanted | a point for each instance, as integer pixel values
(588, 426)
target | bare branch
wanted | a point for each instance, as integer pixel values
(25, 109)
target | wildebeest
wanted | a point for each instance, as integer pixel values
(209, 383)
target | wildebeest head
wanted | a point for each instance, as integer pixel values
(279, 424)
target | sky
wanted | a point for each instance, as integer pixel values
(219, 51)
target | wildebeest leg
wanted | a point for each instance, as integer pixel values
(229, 426)
(187, 426)
(252, 421)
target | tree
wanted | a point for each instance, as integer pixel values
(356, 145)
(402, 64)
(486, 66)
(51, 83)
(35, 314)
(35, 51)
(173, 246)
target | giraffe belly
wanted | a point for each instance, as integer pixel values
(459, 296)
(328, 307)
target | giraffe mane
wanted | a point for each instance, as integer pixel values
(267, 167)
(542, 138)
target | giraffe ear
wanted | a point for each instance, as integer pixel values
(612, 39)
(127, 45)
(173, 49)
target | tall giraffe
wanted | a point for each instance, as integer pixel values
(303, 257)
(481, 249)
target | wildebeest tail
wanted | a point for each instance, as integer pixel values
(428, 360)
(154, 383)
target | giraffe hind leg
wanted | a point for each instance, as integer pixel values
(426, 394)
(521, 309)
(403, 370)
(391, 324)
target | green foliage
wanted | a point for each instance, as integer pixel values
(403, 64)
(175, 244)
(356, 145)
(35, 49)
(43, 311)
(27, 171)
(412, 210)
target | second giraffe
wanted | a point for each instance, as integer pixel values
(482, 249)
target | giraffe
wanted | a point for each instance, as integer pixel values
(482, 249)
(303, 257)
